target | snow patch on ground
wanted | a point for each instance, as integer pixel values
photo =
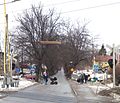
(97, 87)
(23, 83)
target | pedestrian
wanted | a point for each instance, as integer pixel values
(86, 78)
(45, 77)
(82, 78)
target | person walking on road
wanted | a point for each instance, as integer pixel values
(45, 76)
(81, 78)
(86, 77)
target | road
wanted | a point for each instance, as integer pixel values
(61, 93)
(40, 93)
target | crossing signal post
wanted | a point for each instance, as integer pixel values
(112, 62)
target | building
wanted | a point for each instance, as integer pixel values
(103, 60)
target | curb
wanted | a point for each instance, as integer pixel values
(74, 91)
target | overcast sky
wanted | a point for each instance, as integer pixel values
(104, 15)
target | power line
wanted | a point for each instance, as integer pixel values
(7, 3)
(87, 8)
(10, 2)
(47, 5)
(92, 7)
(62, 3)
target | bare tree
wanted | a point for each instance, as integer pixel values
(34, 26)
(37, 25)
(77, 47)
(78, 43)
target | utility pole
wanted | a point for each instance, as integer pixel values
(5, 43)
(5, 38)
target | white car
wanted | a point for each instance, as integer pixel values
(101, 76)
(75, 75)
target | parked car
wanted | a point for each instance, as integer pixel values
(75, 75)
(99, 76)
(28, 76)
(102, 76)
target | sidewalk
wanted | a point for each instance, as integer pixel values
(88, 93)
(106, 90)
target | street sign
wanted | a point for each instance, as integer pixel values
(96, 68)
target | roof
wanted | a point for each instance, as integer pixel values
(102, 58)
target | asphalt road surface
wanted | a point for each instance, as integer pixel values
(40, 93)
(60, 93)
